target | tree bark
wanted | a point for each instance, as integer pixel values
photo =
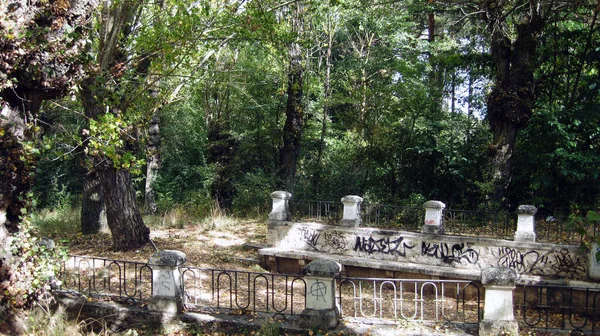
(92, 205)
(511, 100)
(152, 164)
(294, 110)
(123, 217)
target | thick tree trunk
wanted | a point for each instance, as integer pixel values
(294, 111)
(511, 101)
(122, 213)
(152, 165)
(92, 205)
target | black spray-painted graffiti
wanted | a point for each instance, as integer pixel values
(564, 264)
(560, 263)
(455, 254)
(528, 262)
(310, 237)
(335, 240)
(384, 245)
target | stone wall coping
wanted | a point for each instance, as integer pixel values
(352, 199)
(434, 205)
(499, 276)
(526, 209)
(167, 258)
(447, 238)
(281, 195)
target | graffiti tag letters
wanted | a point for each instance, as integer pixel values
(310, 237)
(384, 245)
(450, 254)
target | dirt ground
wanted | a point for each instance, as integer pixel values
(225, 244)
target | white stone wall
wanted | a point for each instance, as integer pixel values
(460, 252)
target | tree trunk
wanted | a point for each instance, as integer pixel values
(511, 101)
(152, 165)
(221, 151)
(92, 205)
(292, 130)
(122, 213)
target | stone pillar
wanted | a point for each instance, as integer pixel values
(525, 223)
(498, 315)
(351, 216)
(594, 261)
(321, 309)
(433, 218)
(167, 295)
(281, 208)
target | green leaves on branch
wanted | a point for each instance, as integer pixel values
(107, 138)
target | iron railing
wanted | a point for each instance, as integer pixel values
(455, 301)
(404, 218)
(554, 308)
(500, 225)
(241, 290)
(101, 277)
(319, 211)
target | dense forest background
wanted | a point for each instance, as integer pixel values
(396, 101)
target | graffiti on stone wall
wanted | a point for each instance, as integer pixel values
(528, 262)
(560, 263)
(335, 240)
(385, 245)
(310, 237)
(563, 264)
(450, 254)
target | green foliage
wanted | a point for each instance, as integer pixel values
(27, 273)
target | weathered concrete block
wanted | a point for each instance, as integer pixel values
(280, 211)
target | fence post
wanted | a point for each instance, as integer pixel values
(433, 218)
(321, 310)
(498, 314)
(351, 216)
(167, 295)
(281, 208)
(525, 223)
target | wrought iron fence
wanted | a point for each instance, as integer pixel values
(319, 211)
(405, 218)
(500, 225)
(102, 277)
(420, 300)
(559, 308)
(562, 230)
(241, 290)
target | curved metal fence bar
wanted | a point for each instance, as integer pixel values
(247, 291)
(118, 279)
(559, 308)
(411, 299)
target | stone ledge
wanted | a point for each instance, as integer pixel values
(451, 272)
(370, 263)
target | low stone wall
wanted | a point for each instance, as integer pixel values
(457, 256)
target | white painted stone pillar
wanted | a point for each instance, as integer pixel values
(351, 216)
(498, 314)
(525, 223)
(321, 309)
(281, 208)
(594, 261)
(433, 218)
(167, 295)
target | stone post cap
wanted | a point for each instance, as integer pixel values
(434, 205)
(498, 276)
(171, 258)
(322, 268)
(526, 209)
(352, 199)
(281, 195)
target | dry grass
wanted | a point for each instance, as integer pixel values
(216, 243)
